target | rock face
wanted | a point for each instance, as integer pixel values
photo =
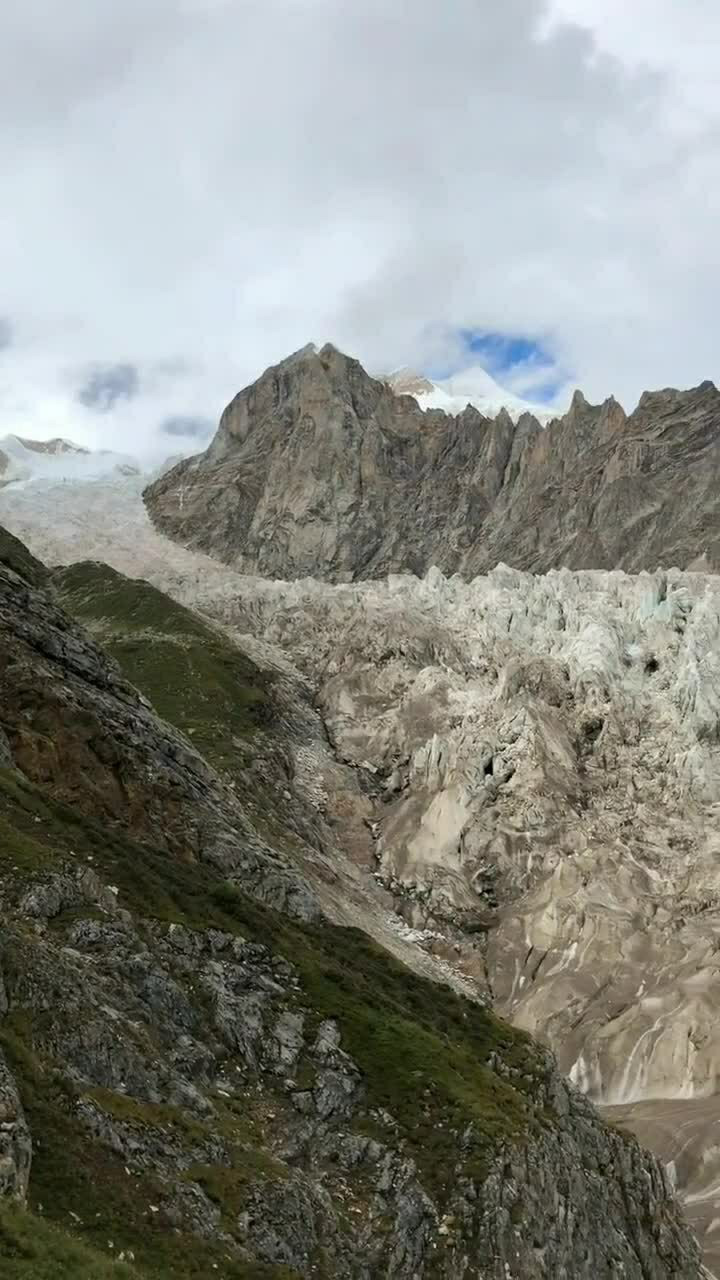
(15, 1139)
(212, 1074)
(319, 470)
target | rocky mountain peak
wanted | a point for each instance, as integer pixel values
(311, 384)
(316, 464)
(578, 403)
(503, 419)
(405, 382)
(319, 469)
(671, 398)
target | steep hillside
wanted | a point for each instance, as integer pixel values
(200, 1071)
(370, 673)
(318, 470)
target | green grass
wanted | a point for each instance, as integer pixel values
(148, 1115)
(95, 593)
(20, 850)
(33, 1249)
(195, 677)
(16, 556)
(421, 1048)
(76, 1180)
(228, 1186)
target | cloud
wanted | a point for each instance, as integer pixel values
(414, 171)
(680, 40)
(6, 333)
(185, 425)
(106, 384)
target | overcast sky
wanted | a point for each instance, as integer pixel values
(191, 189)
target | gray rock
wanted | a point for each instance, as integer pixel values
(351, 480)
(15, 1138)
(319, 470)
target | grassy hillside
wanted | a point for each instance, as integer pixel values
(424, 1054)
(33, 1249)
(194, 676)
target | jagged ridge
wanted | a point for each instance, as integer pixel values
(319, 470)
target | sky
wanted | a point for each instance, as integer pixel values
(192, 189)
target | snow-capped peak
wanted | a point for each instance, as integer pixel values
(473, 386)
(24, 461)
(52, 447)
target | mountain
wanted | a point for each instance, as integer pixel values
(523, 767)
(319, 470)
(24, 461)
(473, 386)
(203, 1068)
(508, 782)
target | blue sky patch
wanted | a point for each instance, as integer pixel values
(498, 352)
(524, 365)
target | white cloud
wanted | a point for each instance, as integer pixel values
(677, 37)
(204, 186)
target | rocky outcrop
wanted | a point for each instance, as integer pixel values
(213, 1084)
(319, 470)
(599, 490)
(15, 1139)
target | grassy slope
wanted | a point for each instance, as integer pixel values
(33, 1249)
(422, 1050)
(196, 679)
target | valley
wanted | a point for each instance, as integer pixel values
(510, 782)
